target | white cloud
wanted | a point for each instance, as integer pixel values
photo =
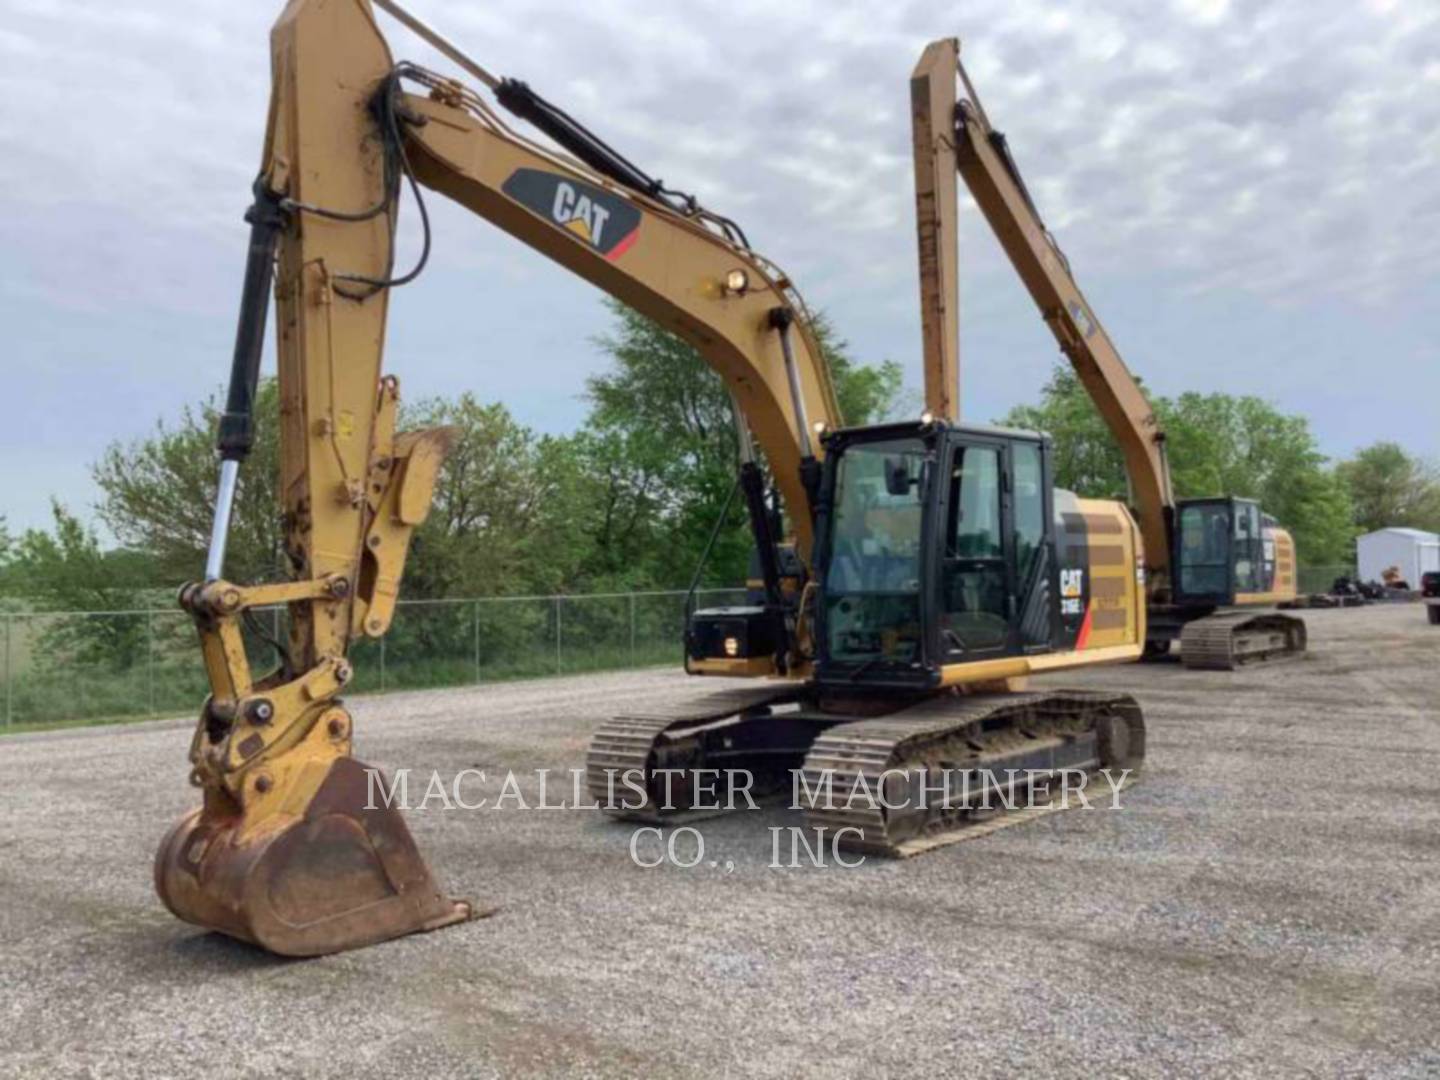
(1286, 150)
(1205, 12)
(1135, 127)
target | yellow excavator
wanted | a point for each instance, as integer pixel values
(287, 849)
(871, 640)
(1215, 567)
(912, 574)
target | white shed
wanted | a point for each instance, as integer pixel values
(1414, 551)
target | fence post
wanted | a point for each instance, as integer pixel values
(558, 667)
(150, 656)
(632, 629)
(9, 672)
(476, 605)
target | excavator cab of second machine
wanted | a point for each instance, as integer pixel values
(1228, 551)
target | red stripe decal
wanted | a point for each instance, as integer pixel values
(624, 245)
(1084, 634)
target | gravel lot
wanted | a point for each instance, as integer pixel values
(1266, 902)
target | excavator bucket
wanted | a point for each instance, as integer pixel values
(343, 874)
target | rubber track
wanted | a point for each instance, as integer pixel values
(950, 732)
(1213, 643)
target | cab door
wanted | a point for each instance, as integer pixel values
(1036, 571)
(976, 588)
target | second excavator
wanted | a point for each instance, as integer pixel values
(1215, 567)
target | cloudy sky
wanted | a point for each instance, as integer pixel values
(1249, 192)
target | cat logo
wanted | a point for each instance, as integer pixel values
(1072, 592)
(603, 220)
(1072, 582)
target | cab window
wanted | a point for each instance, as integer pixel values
(973, 580)
(872, 586)
(1029, 499)
(1205, 549)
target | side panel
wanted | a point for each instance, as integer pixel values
(1101, 574)
(1102, 595)
(1281, 572)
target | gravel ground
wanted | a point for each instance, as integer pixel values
(1266, 902)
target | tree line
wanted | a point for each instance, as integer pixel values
(1221, 444)
(629, 500)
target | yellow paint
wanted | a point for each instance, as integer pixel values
(750, 667)
(1122, 577)
(1011, 667)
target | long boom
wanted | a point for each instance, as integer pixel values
(932, 111)
(984, 161)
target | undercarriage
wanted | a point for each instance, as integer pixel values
(881, 778)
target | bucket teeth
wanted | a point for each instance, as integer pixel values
(344, 875)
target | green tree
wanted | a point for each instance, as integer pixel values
(866, 393)
(480, 536)
(1218, 444)
(612, 501)
(1225, 445)
(65, 569)
(157, 495)
(7, 549)
(626, 502)
(1087, 459)
(1389, 487)
(664, 437)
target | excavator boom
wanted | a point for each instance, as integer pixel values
(981, 156)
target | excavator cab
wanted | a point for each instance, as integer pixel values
(1229, 558)
(935, 547)
(945, 567)
(1226, 549)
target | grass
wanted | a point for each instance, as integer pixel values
(74, 696)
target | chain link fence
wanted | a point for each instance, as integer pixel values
(77, 666)
(1320, 579)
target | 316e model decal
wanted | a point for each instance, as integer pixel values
(603, 220)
